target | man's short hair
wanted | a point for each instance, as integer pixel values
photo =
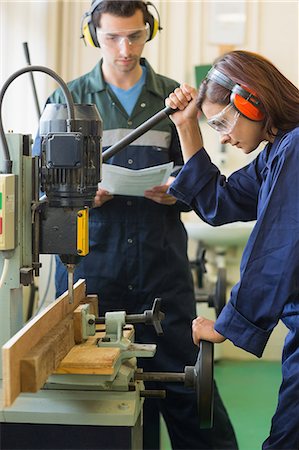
(119, 8)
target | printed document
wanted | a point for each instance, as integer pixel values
(122, 181)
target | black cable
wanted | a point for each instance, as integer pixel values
(7, 163)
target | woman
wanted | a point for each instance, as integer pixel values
(248, 101)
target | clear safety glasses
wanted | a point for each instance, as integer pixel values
(225, 121)
(113, 39)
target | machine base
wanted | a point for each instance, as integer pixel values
(19, 436)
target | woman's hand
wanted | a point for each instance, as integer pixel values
(184, 99)
(203, 328)
(186, 119)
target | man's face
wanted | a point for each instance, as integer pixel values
(122, 40)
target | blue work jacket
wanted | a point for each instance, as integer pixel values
(267, 190)
(138, 248)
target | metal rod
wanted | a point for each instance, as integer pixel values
(135, 318)
(160, 376)
(145, 126)
(70, 277)
(100, 320)
(153, 393)
(129, 318)
(36, 216)
(27, 57)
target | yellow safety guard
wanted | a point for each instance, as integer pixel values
(82, 232)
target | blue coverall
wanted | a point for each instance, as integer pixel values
(268, 290)
(138, 251)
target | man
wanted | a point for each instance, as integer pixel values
(138, 245)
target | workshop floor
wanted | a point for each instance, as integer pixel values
(249, 390)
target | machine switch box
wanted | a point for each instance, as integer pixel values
(7, 211)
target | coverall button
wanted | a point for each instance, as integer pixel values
(130, 287)
(143, 105)
(130, 161)
(130, 241)
(129, 122)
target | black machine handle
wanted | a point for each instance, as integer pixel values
(139, 131)
(150, 317)
(200, 378)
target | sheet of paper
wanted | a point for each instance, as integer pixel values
(122, 181)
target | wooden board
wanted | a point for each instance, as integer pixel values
(93, 302)
(23, 341)
(46, 355)
(87, 358)
(78, 330)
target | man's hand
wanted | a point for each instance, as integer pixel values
(159, 193)
(203, 328)
(102, 196)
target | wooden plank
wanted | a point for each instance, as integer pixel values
(46, 355)
(23, 341)
(93, 303)
(78, 329)
(89, 359)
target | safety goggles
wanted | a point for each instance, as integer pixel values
(113, 39)
(225, 121)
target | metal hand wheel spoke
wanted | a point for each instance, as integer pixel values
(199, 377)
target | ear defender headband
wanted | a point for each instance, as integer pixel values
(243, 98)
(89, 32)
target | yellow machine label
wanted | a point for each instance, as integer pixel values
(82, 232)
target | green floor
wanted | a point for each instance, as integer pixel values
(249, 390)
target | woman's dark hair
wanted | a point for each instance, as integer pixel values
(279, 97)
(119, 8)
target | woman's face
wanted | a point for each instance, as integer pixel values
(233, 128)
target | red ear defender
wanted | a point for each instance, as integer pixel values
(243, 98)
(246, 102)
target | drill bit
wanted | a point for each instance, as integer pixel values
(70, 277)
